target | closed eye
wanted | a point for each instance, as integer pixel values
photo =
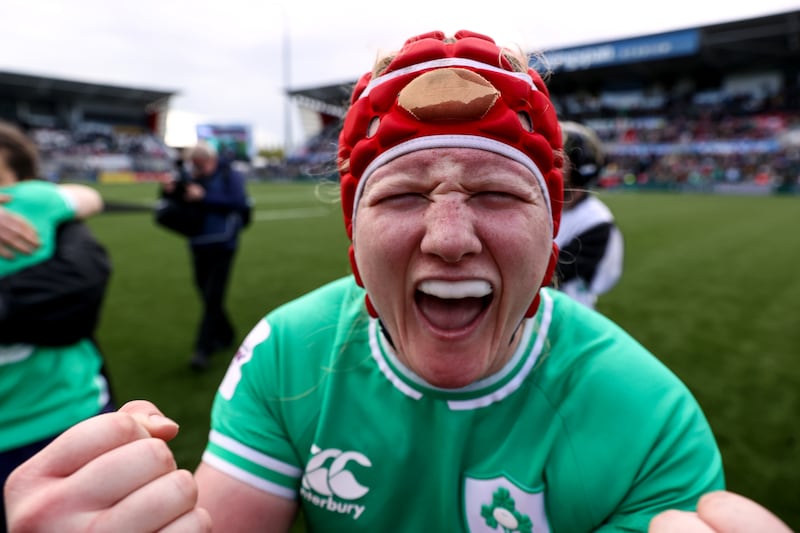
(403, 200)
(496, 198)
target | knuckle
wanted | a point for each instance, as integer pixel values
(126, 426)
(711, 500)
(662, 520)
(183, 483)
(30, 516)
(196, 520)
(204, 520)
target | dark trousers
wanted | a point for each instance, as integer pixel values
(212, 269)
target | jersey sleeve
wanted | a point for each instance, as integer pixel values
(267, 408)
(52, 202)
(675, 460)
(45, 206)
(248, 440)
(636, 441)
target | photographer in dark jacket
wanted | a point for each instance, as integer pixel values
(218, 193)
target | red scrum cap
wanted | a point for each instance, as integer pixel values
(462, 92)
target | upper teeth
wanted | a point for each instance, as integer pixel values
(456, 289)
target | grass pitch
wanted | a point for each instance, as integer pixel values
(711, 286)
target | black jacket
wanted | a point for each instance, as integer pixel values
(58, 301)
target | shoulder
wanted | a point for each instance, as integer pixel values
(324, 318)
(591, 210)
(323, 303)
(587, 214)
(599, 357)
(598, 378)
(39, 201)
(33, 189)
(626, 417)
(296, 344)
(595, 207)
(228, 171)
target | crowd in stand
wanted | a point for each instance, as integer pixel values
(82, 154)
(700, 140)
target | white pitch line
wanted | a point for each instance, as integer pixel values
(284, 214)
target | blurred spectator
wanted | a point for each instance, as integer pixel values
(218, 190)
(590, 243)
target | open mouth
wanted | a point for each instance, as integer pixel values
(453, 305)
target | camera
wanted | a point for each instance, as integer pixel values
(182, 178)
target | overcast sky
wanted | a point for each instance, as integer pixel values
(226, 59)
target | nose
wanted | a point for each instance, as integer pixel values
(450, 231)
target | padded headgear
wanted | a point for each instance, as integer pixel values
(585, 154)
(462, 92)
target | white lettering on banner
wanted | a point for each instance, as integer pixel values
(581, 58)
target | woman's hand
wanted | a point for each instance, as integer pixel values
(720, 512)
(17, 235)
(112, 472)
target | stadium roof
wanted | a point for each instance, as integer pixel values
(26, 86)
(703, 52)
(330, 100)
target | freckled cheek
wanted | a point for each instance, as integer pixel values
(382, 244)
(385, 231)
(519, 239)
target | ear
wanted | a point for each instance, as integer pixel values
(548, 275)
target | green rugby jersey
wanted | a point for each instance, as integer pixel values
(582, 430)
(44, 390)
(45, 206)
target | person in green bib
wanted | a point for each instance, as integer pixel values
(47, 386)
(440, 387)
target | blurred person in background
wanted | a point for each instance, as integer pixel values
(218, 195)
(589, 241)
(53, 276)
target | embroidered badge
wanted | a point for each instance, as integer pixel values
(502, 512)
(500, 505)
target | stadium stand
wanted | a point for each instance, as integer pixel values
(713, 108)
(88, 131)
(321, 112)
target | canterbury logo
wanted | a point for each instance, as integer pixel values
(327, 480)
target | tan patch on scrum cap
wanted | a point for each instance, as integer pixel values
(448, 94)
